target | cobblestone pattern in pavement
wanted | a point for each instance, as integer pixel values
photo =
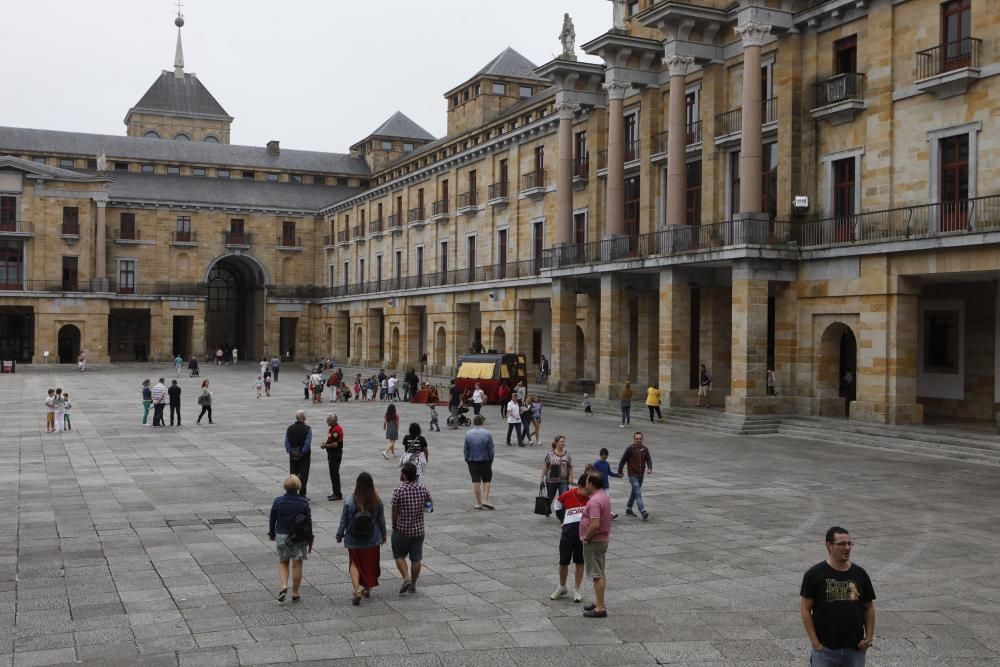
(108, 555)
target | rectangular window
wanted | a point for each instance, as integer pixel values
(472, 187)
(288, 234)
(198, 171)
(342, 181)
(173, 169)
(223, 173)
(539, 158)
(443, 260)
(579, 228)
(71, 221)
(66, 163)
(734, 184)
(126, 276)
(397, 269)
(121, 166)
(39, 159)
(126, 227)
(942, 344)
(249, 175)
(843, 188)
(91, 164)
(272, 177)
(769, 173)
(387, 145)
(956, 25)
(295, 178)
(502, 253)
(420, 266)
(499, 88)
(361, 271)
(407, 148)
(346, 273)
(692, 194)
(11, 265)
(580, 145)
(845, 55)
(237, 235)
(70, 266)
(954, 153)
(504, 177)
(524, 91)
(378, 272)
(631, 137)
(632, 206)
(537, 244)
(470, 253)
(146, 169)
(8, 213)
(319, 180)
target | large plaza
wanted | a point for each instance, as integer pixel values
(132, 545)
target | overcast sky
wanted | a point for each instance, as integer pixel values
(316, 75)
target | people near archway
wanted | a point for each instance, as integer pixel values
(625, 404)
(159, 392)
(316, 382)
(503, 396)
(205, 401)
(275, 367)
(771, 390)
(178, 363)
(67, 426)
(219, 354)
(267, 381)
(147, 400)
(704, 386)
(50, 411)
(653, 402)
(298, 444)
(81, 361)
(478, 398)
(236, 356)
(390, 423)
(292, 547)
(59, 402)
(174, 397)
(193, 367)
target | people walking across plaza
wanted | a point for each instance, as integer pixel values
(408, 503)
(81, 361)
(454, 403)
(557, 470)
(236, 356)
(174, 399)
(316, 382)
(568, 506)
(587, 405)
(362, 530)
(290, 528)
(218, 356)
(771, 383)
(59, 402)
(334, 447)
(514, 420)
(193, 367)
(267, 381)
(67, 424)
(653, 402)
(298, 444)
(603, 468)
(178, 364)
(526, 417)
(390, 424)
(205, 401)
(837, 605)
(258, 387)
(275, 367)
(147, 400)
(638, 461)
(159, 393)
(536, 419)
(625, 404)
(262, 365)
(478, 451)
(521, 391)
(50, 410)
(478, 398)
(704, 386)
(503, 397)
(416, 451)
(595, 533)
(434, 426)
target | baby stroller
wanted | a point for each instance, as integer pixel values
(463, 420)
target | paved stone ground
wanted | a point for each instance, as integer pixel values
(106, 556)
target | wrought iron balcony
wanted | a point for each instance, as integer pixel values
(70, 229)
(358, 233)
(416, 216)
(395, 221)
(237, 239)
(533, 183)
(581, 169)
(498, 194)
(839, 98)
(16, 228)
(121, 235)
(289, 242)
(439, 210)
(328, 242)
(343, 237)
(468, 203)
(376, 227)
(949, 69)
(183, 238)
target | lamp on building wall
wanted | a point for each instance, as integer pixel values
(390, 302)
(492, 296)
(800, 203)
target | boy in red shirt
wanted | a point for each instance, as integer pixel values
(571, 504)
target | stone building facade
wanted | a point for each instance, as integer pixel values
(799, 186)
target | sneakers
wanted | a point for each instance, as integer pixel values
(614, 516)
(404, 587)
(645, 516)
(385, 456)
(559, 593)
(630, 513)
(577, 596)
(621, 426)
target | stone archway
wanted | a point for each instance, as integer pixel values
(837, 370)
(440, 347)
(499, 340)
(68, 344)
(235, 311)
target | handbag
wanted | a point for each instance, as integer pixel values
(542, 501)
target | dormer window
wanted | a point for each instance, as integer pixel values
(477, 90)
(524, 91)
(499, 88)
(173, 169)
(387, 145)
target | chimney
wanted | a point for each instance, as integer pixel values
(273, 147)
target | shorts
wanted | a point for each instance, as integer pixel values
(570, 551)
(481, 471)
(703, 389)
(411, 546)
(593, 559)
(290, 550)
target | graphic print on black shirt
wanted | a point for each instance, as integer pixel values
(838, 603)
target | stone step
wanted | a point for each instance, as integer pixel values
(926, 434)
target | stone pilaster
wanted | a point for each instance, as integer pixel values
(751, 139)
(748, 393)
(563, 359)
(614, 337)
(676, 139)
(614, 217)
(648, 344)
(564, 183)
(100, 244)
(675, 338)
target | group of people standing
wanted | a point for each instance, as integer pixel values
(159, 396)
(57, 407)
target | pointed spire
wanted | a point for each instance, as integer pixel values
(179, 53)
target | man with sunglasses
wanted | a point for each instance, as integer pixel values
(838, 606)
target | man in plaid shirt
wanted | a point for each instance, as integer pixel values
(408, 526)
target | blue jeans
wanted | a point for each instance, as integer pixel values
(636, 496)
(553, 489)
(626, 413)
(837, 657)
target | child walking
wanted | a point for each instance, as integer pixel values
(586, 405)
(434, 420)
(259, 386)
(50, 411)
(66, 406)
(59, 402)
(267, 382)
(602, 467)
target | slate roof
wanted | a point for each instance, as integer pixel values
(46, 171)
(19, 140)
(190, 190)
(510, 63)
(180, 96)
(401, 126)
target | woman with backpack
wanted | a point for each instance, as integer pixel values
(415, 451)
(362, 529)
(205, 401)
(390, 423)
(290, 528)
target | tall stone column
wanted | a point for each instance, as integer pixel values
(614, 340)
(751, 138)
(100, 244)
(675, 337)
(676, 139)
(614, 216)
(563, 357)
(564, 184)
(748, 393)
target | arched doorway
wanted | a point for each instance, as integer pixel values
(394, 347)
(357, 343)
(440, 342)
(235, 309)
(581, 353)
(837, 371)
(499, 342)
(68, 344)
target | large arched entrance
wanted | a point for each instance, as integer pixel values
(357, 344)
(440, 342)
(68, 344)
(837, 371)
(394, 348)
(499, 342)
(235, 314)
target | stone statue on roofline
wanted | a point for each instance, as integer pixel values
(568, 39)
(102, 162)
(620, 13)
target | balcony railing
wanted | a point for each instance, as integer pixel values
(949, 57)
(395, 221)
(581, 167)
(102, 286)
(439, 209)
(631, 151)
(533, 180)
(289, 241)
(70, 229)
(498, 191)
(236, 239)
(328, 241)
(660, 142)
(467, 199)
(415, 215)
(126, 235)
(602, 159)
(730, 122)
(693, 133)
(839, 88)
(376, 226)
(770, 111)
(183, 238)
(358, 231)
(18, 227)
(343, 236)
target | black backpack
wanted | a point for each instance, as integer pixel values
(362, 525)
(301, 529)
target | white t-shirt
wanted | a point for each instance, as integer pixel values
(392, 384)
(478, 396)
(513, 413)
(50, 404)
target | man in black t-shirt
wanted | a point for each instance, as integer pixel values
(838, 606)
(454, 402)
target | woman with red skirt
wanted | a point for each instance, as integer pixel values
(362, 529)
